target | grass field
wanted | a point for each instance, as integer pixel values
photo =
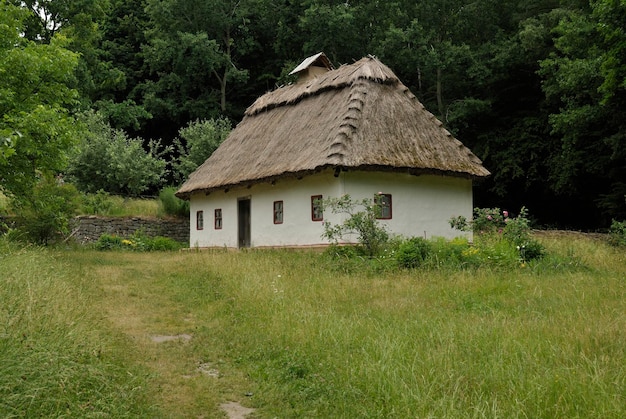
(294, 334)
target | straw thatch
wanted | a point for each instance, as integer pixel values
(357, 117)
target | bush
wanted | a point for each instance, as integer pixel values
(617, 233)
(99, 203)
(108, 242)
(371, 235)
(492, 222)
(447, 253)
(109, 160)
(172, 205)
(46, 213)
(413, 252)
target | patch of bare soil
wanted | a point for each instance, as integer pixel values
(236, 411)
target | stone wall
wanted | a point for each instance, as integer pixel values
(88, 228)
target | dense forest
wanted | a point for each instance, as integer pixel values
(536, 88)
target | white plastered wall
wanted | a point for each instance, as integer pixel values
(422, 206)
(297, 228)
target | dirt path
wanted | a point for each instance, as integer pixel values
(184, 382)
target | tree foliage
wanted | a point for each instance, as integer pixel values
(36, 126)
(45, 214)
(108, 159)
(536, 88)
(196, 142)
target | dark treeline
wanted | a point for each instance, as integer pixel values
(536, 88)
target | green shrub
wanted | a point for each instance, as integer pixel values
(172, 205)
(498, 252)
(447, 253)
(492, 225)
(617, 233)
(413, 252)
(108, 242)
(107, 159)
(45, 214)
(99, 203)
(531, 250)
(361, 221)
(159, 243)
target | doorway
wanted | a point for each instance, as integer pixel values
(243, 217)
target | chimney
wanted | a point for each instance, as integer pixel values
(312, 67)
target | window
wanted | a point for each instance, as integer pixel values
(278, 212)
(218, 219)
(199, 220)
(317, 212)
(383, 200)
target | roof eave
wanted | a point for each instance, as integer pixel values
(186, 195)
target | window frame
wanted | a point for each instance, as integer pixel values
(217, 219)
(316, 205)
(379, 200)
(199, 220)
(277, 212)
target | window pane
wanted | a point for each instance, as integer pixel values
(199, 220)
(278, 212)
(218, 219)
(384, 206)
(317, 213)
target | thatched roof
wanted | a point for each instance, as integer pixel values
(357, 117)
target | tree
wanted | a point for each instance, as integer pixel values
(196, 142)
(36, 127)
(107, 159)
(120, 52)
(192, 51)
(584, 81)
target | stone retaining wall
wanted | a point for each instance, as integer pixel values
(87, 229)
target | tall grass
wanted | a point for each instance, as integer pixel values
(57, 358)
(427, 344)
(294, 335)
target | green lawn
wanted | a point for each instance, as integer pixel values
(294, 334)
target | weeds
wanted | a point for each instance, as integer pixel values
(137, 242)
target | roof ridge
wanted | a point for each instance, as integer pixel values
(350, 122)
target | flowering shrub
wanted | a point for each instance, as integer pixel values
(485, 221)
(493, 222)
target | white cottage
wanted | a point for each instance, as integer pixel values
(354, 130)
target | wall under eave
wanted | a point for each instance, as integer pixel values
(422, 206)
